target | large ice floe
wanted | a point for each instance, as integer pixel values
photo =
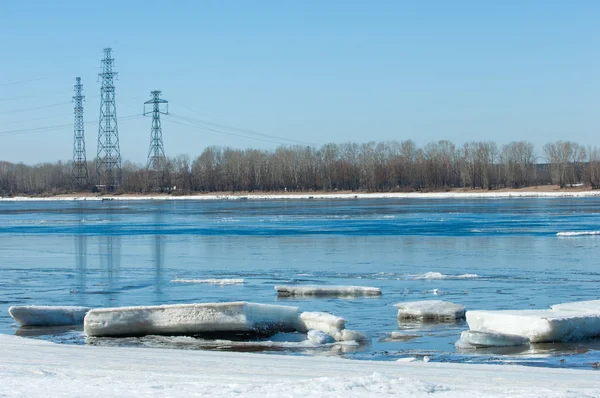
(47, 315)
(430, 311)
(191, 319)
(327, 291)
(563, 322)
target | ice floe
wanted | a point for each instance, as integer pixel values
(48, 315)
(590, 306)
(322, 321)
(430, 310)
(191, 319)
(327, 291)
(566, 322)
(439, 275)
(401, 337)
(578, 233)
(474, 339)
(211, 281)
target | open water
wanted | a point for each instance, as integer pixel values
(483, 253)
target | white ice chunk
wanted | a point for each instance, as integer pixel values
(322, 321)
(471, 338)
(590, 306)
(430, 310)
(48, 315)
(439, 275)
(347, 291)
(319, 337)
(351, 335)
(210, 281)
(537, 325)
(191, 319)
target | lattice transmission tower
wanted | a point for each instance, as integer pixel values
(156, 154)
(108, 166)
(80, 170)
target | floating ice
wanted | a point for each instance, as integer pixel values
(471, 338)
(430, 310)
(590, 306)
(210, 281)
(399, 336)
(322, 321)
(349, 291)
(351, 335)
(439, 275)
(319, 337)
(48, 315)
(191, 319)
(537, 325)
(578, 233)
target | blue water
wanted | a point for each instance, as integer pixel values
(119, 253)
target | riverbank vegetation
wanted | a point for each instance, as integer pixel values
(371, 167)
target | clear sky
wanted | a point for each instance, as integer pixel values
(312, 71)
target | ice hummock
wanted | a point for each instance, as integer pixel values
(322, 291)
(474, 339)
(430, 310)
(190, 319)
(48, 315)
(538, 325)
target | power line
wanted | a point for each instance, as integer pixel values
(243, 130)
(61, 126)
(195, 124)
(267, 138)
(34, 108)
(29, 80)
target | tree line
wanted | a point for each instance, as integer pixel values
(369, 167)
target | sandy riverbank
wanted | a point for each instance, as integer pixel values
(38, 368)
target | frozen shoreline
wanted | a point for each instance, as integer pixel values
(39, 368)
(321, 196)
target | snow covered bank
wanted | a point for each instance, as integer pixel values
(211, 281)
(38, 368)
(327, 196)
(47, 315)
(430, 310)
(327, 291)
(191, 319)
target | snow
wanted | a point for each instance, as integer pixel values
(48, 315)
(35, 368)
(470, 338)
(322, 196)
(537, 325)
(578, 233)
(191, 319)
(319, 337)
(430, 310)
(322, 321)
(210, 281)
(344, 291)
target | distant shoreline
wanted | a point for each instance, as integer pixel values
(547, 191)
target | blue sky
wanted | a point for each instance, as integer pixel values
(311, 71)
